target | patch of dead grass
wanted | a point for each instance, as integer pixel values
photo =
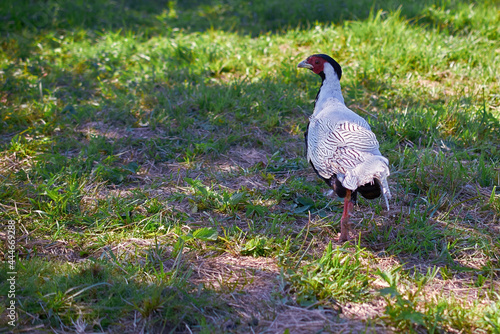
(303, 321)
(53, 250)
(110, 131)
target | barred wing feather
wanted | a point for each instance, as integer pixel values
(336, 148)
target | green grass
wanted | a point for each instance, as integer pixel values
(152, 159)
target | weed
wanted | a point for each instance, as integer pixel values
(492, 316)
(207, 198)
(338, 276)
(403, 309)
(258, 247)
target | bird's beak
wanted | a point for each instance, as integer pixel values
(305, 64)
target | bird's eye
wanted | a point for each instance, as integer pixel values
(316, 62)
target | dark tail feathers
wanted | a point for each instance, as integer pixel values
(370, 190)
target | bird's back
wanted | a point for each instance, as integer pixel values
(339, 140)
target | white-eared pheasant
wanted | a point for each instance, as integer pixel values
(341, 147)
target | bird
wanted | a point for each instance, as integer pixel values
(340, 145)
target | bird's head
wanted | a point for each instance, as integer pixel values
(317, 63)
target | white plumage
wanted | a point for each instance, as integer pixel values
(340, 144)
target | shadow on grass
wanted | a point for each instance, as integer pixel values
(96, 295)
(156, 16)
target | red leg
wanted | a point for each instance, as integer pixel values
(344, 221)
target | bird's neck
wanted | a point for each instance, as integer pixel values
(330, 89)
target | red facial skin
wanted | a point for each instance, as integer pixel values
(318, 63)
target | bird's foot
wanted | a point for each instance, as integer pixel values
(343, 238)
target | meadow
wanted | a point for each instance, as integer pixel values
(153, 163)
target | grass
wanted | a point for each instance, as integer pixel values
(152, 160)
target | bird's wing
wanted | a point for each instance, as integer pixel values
(355, 136)
(335, 148)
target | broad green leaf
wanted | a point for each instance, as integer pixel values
(206, 234)
(389, 291)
